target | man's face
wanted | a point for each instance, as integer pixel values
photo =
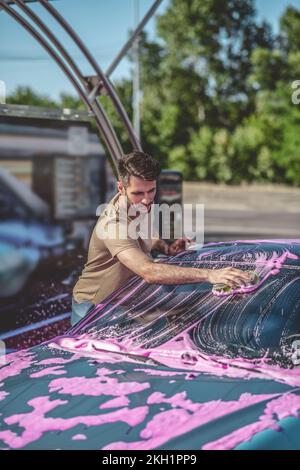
(139, 191)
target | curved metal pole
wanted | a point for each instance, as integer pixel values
(132, 38)
(43, 27)
(100, 117)
(106, 82)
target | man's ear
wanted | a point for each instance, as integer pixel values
(120, 187)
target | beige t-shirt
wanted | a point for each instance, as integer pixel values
(103, 273)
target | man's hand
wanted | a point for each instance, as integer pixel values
(161, 246)
(229, 276)
(178, 246)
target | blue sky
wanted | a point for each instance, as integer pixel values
(102, 24)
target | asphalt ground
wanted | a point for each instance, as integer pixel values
(246, 212)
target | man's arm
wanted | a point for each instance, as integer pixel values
(157, 273)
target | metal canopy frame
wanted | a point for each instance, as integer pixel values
(91, 87)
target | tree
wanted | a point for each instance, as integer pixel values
(26, 96)
(290, 29)
(197, 74)
(216, 40)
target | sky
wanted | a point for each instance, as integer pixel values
(102, 24)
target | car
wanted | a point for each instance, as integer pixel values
(170, 366)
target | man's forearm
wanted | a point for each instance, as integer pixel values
(168, 274)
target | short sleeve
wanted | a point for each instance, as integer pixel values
(118, 240)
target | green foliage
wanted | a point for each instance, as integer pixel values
(201, 148)
(290, 29)
(178, 160)
(268, 68)
(26, 96)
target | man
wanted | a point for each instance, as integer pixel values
(112, 260)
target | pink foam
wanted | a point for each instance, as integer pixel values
(16, 363)
(79, 437)
(35, 423)
(183, 417)
(56, 370)
(95, 386)
(115, 403)
(3, 395)
(286, 405)
(58, 360)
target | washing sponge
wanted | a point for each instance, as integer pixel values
(224, 289)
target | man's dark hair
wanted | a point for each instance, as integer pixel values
(138, 164)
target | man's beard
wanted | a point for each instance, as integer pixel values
(140, 208)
